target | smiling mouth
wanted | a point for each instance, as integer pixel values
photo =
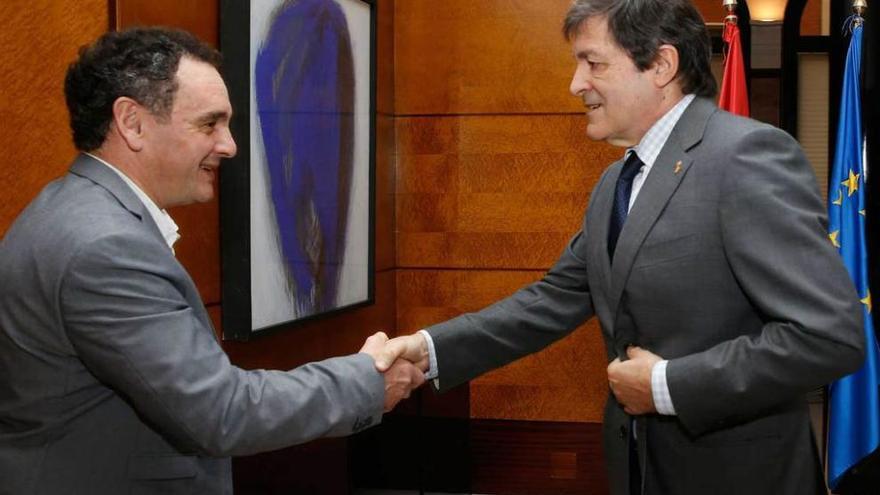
(208, 170)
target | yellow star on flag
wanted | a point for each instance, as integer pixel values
(852, 183)
(833, 237)
(867, 301)
(839, 200)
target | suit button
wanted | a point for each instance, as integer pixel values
(623, 432)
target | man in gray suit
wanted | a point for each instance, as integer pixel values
(113, 379)
(703, 253)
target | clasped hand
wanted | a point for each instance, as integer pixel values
(630, 381)
(402, 361)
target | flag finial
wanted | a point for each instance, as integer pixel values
(730, 5)
(859, 6)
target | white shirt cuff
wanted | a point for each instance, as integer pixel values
(660, 389)
(432, 372)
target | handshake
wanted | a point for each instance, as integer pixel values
(403, 362)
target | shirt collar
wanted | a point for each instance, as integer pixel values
(163, 220)
(653, 141)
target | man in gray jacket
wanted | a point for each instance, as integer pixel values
(113, 379)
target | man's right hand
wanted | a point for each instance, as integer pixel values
(402, 376)
(413, 348)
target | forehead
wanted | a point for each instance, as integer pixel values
(593, 36)
(200, 87)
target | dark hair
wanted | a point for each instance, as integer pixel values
(641, 26)
(139, 63)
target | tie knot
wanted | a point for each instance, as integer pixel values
(631, 167)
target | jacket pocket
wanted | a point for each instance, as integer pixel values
(666, 251)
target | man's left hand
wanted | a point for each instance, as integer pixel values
(630, 380)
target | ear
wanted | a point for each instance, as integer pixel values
(665, 65)
(128, 118)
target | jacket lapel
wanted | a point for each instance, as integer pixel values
(92, 169)
(599, 229)
(666, 175)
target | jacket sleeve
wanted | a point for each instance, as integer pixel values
(525, 322)
(124, 308)
(774, 230)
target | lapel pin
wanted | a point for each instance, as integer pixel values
(677, 169)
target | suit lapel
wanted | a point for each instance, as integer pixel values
(667, 173)
(92, 169)
(599, 229)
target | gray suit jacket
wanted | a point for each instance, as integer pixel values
(113, 380)
(723, 267)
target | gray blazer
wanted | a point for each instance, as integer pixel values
(724, 267)
(113, 379)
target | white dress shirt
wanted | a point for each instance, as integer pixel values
(163, 220)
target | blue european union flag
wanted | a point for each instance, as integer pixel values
(854, 411)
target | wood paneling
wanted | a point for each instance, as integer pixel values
(481, 456)
(39, 38)
(514, 457)
(494, 172)
(492, 191)
(292, 470)
(385, 57)
(711, 10)
(565, 382)
(811, 20)
(481, 56)
(385, 194)
(199, 17)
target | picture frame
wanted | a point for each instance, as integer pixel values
(297, 202)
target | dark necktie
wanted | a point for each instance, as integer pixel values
(621, 200)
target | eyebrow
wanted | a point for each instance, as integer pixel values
(210, 117)
(585, 53)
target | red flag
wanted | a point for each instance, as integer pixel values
(734, 97)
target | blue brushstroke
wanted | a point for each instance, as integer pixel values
(304, 82)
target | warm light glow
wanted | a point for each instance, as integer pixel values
(767, 10)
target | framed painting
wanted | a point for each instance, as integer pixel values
(297, 201)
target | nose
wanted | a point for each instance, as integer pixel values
(226, 146)
(580, 82)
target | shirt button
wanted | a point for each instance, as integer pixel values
(623, 432)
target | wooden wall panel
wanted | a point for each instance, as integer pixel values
(40, 38)
(492, 191)
(199, 17)
(524, 457)
(482, 56)
(811, 20)
(565, 382)
(494, 172)
(711, 10)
